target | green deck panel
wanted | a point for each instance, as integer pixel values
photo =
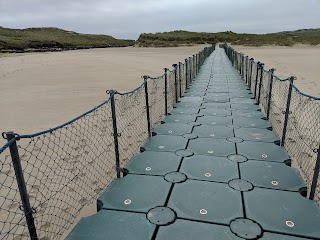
(216, 99)
(274, 236)
(256, 135)
(180, 118)
(213, 131)
(187, 230)
(166, 143)
(275, 210)
(206, 201)
(242, 100)
(211, 147)
(175, 129)
(272, 175)
(215, 120)
(245, 106)
(108, 224)
(191, 99)
(262, 151)
(153, 163)
(188, 104)
(208, 168)
(216, 105)
(185, 110)
(251, 122)
(215, 112)
(247, 114)
(135, 193)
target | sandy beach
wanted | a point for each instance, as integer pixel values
(41, 90)
(301, 61)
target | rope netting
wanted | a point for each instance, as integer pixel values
(301, 135)
(65, 169)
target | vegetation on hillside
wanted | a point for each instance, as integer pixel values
(177, 38)
(54, 39)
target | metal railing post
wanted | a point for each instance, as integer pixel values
(180, 76)
(315, 178)
(28, 211)
(250, 78)
(247, 65)
(270, 92)
(286, 116)
(175, 81)
(187, 85)
(194, 66)
(256, 83)
(145, 78)
(115, 132)
(190, 72)
(166, 90)
(260, 83)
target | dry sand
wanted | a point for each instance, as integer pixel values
(302, 61)
(41, 90)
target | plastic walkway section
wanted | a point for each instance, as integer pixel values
(212, 170)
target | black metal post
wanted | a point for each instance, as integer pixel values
(194, 66)
(147, 103)
(270, 92)
(115, 132)
(190, 67)
(286, 116)
(250, 78)
(256, 83)
(260, 83)
(315, 178)
(187, 85)
(166, 91)
(175, 81)
(247, 65)
(28, 211)
(180, 76)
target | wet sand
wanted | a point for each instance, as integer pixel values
(301, 61)
(41, 90)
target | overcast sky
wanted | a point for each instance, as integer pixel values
(129, 18)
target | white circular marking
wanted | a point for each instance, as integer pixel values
(241, 96)
(246, 108)
(213, 123)
(148, 169)
(264, 155)
(275, 183)
(169, 131)
(176, 120)
(192, 95)
(181, 112)
(203, 211)
(210, 151)
(161, 147)
(249, 116)
(214, 114)
(252, 124)
(258, 138)
(211, 135)
(208, 174)
(290, 223)
(127, 201)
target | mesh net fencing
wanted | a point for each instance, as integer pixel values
(67, 167)
(302, 133)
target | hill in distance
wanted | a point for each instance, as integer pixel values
(179, 37)
(54, 39)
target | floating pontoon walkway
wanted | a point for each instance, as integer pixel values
(213, 171)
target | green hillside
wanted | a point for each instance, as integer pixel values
(54, 39)
(177, 38)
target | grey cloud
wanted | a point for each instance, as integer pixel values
(127, 18)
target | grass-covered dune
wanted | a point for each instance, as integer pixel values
(54, 39)
(177, 38)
